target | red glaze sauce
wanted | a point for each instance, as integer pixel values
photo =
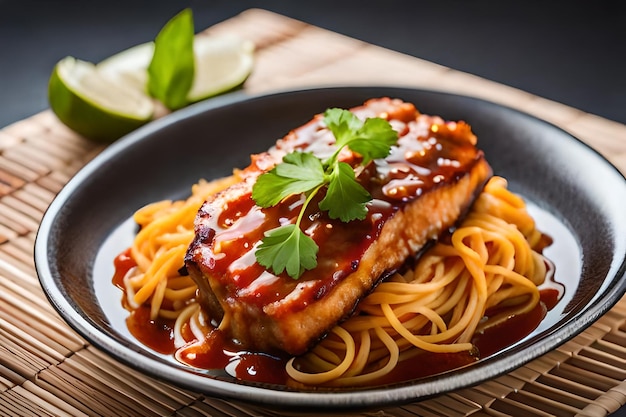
(155, 334)
(252, 282)
(122, 263)
(216, 351)
(487, 343)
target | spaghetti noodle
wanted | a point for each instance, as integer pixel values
(487, 271)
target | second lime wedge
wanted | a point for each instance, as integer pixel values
(223, 63)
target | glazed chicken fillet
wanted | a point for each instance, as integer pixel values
(420, 191)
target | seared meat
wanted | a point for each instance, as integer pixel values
(420, 190)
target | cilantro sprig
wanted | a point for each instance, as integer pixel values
(288, 248)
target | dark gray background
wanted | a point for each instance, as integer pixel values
(572, 52)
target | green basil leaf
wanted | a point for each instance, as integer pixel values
(171, 71)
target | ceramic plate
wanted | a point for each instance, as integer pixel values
(575, 195)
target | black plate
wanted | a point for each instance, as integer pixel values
(575, 195)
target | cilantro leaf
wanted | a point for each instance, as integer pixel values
(302, 166)
(342, 123)
(300, 172)
(345, 198)
(287, 248)
(373, 140)
(169, 80)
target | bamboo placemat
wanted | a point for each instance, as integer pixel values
(47, 369)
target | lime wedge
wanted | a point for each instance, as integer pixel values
(95, 105)
(223, 63)
(129, 65)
